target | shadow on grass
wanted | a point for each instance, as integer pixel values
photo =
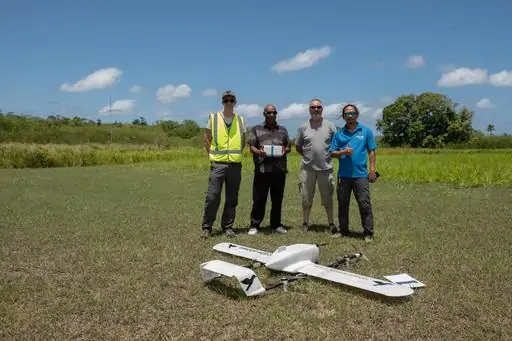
(231, 291)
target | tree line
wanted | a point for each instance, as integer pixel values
(427, 120)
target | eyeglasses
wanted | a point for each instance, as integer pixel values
(270, 112)
(350, 113)
(313, 107)
(229, 100)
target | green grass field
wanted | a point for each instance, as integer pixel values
(103, 253)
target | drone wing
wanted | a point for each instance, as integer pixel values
(247, 279)
(243, 251)
(355, 280)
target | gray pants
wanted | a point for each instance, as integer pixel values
(361, 189)
(220, 173)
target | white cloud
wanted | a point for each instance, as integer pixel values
(209, 92)
(98, 79)
(484, 103)
(466, 76)
(302, 60)
(377, 114)
(463, 76)
(170, 93)
(295, 110)
(136, 89)
(118, 107)
(249, 110)
(415, 62)
(503, 78)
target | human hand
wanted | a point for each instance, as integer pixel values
(372, 176)
(347, 151)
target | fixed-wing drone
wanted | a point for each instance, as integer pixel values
(298, 259)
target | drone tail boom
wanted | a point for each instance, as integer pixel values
(355, 280)
(249, 282)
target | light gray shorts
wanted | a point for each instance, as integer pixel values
(307, 185)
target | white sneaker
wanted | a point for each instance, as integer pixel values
(280, 229)
(253, 231)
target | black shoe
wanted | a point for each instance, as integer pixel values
(229, 233)
(206, 233)
(332, 228)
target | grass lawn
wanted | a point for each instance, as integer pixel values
(101, 253)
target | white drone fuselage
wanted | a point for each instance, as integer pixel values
(291, 258)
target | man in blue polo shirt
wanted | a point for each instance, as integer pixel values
(352, 145)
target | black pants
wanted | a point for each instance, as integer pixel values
(361, 189)
(220, 174)
(263, 183)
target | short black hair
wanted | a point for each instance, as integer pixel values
(349, 105)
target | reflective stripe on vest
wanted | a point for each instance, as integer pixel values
(215, 153)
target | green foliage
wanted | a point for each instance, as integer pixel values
(460, 167)
(429, 120)
(63, 130)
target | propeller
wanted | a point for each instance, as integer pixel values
(349, 258)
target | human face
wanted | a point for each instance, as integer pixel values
(350, 114)
(229, 102)
(315, 110)
(270, 114)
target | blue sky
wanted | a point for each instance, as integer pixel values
(357, 52)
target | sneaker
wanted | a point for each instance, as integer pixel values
(332, 228)
(305, 227)
(229, 233)
(368, 239)
(206, 233)
(253, 231)
(280, 229)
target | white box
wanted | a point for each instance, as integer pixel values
(273, 150)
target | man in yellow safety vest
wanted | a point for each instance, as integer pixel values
(224, 141)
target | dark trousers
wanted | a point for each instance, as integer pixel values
(220, 174)
(361, 189)
(263, 183)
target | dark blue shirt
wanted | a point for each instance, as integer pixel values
(361, 140)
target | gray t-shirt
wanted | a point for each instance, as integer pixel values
(315, 143)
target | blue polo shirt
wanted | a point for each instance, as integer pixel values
(361, 141)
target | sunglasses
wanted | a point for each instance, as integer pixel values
(313, 107)
(270, 112)
(350, 113)
(229, 100)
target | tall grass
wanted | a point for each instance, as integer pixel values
(461, 167)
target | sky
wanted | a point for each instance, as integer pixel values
(172, 60)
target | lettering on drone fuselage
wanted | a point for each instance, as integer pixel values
(248, 281)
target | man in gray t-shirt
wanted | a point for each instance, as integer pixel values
(313, 140)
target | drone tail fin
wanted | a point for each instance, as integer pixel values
(247, 279)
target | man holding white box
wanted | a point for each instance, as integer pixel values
(269, 143)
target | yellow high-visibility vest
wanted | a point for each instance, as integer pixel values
(226, 144)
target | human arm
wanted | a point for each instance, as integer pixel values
(299, 140)
(371, 146)
(287, 145)
(255, 148)
(207, 139)
(335, 148)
